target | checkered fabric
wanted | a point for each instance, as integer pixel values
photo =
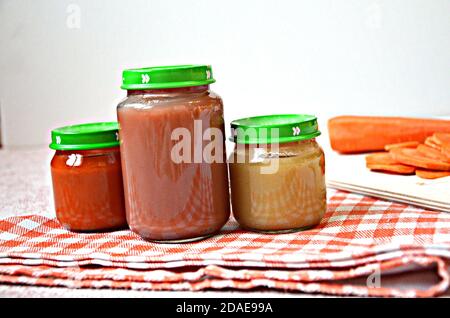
(358, 237)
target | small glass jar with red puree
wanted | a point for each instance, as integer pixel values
(87, 177)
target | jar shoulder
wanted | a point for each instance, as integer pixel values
(85, 159)
(153, 100)
(301, 149)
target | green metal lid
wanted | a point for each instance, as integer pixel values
(167, 77)
(85, 136)
(274, 129)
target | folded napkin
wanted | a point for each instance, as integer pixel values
(358, 237)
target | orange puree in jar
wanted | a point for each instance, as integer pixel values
(87, 183)
(277, 181)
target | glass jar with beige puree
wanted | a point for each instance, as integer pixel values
(277, 172)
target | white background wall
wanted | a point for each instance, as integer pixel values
(325, 57)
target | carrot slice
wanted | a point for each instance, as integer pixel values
(413, 157)
(446, 151)
(427, 174)
(383, 158)
(433, 153)
(407, 144)
(442, 139)
(394, 168)
(430, 142)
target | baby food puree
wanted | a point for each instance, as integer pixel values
(87, 177)
(277, 173)
(173, 192)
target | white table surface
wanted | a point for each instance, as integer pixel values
(25, 188)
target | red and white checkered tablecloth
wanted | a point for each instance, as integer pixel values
(358, 237)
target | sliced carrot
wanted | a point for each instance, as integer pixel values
(441, 139)
(413, 157)
(433, 153)
(383, 158)
(394, 168)
(429, 174)
(446, 151)
(407, 144)
(430, 142)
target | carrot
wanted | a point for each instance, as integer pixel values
(430, 142)
(353, 134)
(446, 150)
(406, 144)
(443, 148)
(427, 174)
(432, 153)
(394, 168)
(414, 158)
(382, 158)
(441, 139)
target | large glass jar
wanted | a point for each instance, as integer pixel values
(277, 173)
(173, 155)
(87, 177)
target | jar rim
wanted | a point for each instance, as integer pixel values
(171, 76)
(85, 136)
(279, 128)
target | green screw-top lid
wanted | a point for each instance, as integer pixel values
(274, 129)
(86, 136)
(174, 76)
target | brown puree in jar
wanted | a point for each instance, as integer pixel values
(293, 198)
(166, 200)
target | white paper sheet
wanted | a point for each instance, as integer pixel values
(349, 172)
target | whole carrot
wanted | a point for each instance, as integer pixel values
(353, 134)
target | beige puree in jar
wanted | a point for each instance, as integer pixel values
(290, 199)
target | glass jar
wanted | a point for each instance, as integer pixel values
(87, 177)
(176, 187)
(277, 173)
